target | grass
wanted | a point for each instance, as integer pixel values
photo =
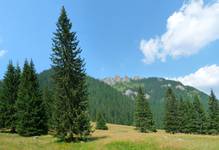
(116, 138)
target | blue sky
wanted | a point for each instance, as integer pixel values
(119, 37)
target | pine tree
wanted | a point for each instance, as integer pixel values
(71, 100)
(143, 117)
(9, 97)
(171, 124)
(101, 123)
(31, 114)
(213, 114)
(200, 118)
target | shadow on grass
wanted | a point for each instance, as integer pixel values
(92, 139)
(87, 140)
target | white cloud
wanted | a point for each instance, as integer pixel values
(2, 53)
(189, 29)
(205, 79)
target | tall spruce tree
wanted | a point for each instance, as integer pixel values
(71, 100)
(143, 117)
(213, 114)
(171, 124)
(199, 117)
(9, 97)
(31, 113)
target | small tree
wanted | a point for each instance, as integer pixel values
(101, 123)
(143, 117)
(31, 113)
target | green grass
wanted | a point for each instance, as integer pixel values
(116, 138)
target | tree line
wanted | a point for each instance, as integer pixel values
(21, 106)
(183, 116)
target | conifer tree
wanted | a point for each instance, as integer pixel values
(143, 117)
(48, 100)
(171, 124)
(71, 100)
(101, 123)
(31, 114)
(9, 97)
(181, 114)
(200, 118)
(213, 114)
(189, 117)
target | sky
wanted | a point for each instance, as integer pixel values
(177, 40)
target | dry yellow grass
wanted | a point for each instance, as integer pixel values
(117, 137)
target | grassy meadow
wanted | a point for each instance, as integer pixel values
(116, 138)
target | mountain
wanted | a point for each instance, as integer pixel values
(116, 107)
(155, 89)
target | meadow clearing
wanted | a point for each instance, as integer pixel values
(118, 137)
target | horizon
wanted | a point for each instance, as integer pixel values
(141, 42)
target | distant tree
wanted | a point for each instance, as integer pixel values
(9, 97)
(31, 113)
(199, 117)
(213, 114)
(101, 123)
(71, 96)
(171, 124)
(143, 117)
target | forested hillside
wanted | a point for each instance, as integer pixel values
(116, 107)
(155, 89)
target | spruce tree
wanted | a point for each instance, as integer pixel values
(189, 117)
(48, 100)
(213, 114)
(71, 97)
(9, 97)
(101, 122)
(171, 124)
(200, 118)
(181, 114)
(31, 113)
(143, 117)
